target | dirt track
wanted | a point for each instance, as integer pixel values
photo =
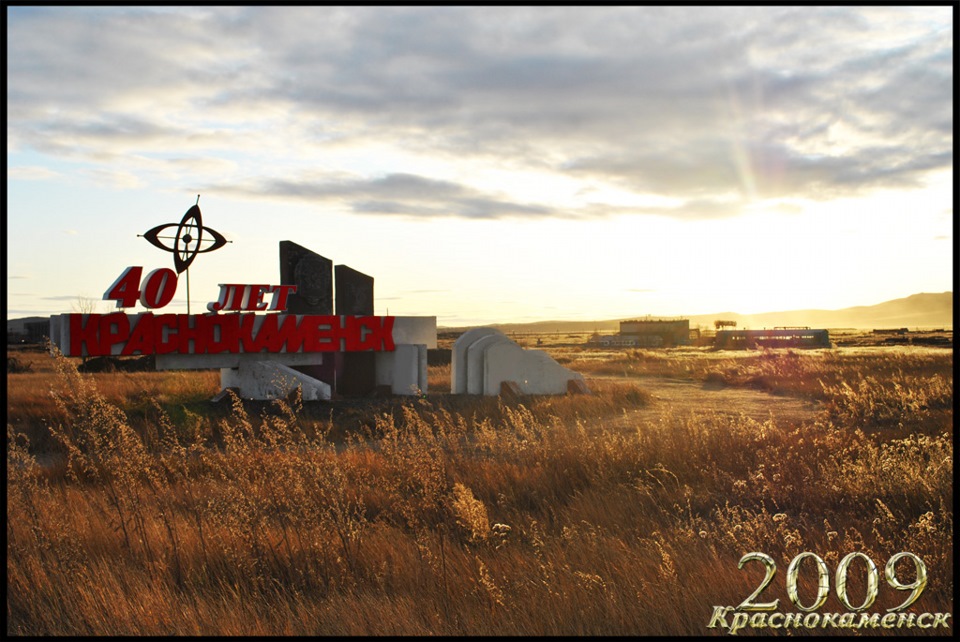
(688, 395)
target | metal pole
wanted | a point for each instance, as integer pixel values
(188, 269)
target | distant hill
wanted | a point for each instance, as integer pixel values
(923, 310)
(915, 311)
(19, 325)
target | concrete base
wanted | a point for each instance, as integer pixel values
(264, 380)
(404, 370)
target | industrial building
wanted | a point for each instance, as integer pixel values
(657, 332)
(613, 341)
(776, 338)
(29, 330)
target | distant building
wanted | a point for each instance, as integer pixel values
(614, 341)
(32, 330)
(646, 333)
(671, 332)
(776, 338)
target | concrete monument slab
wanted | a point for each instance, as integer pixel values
(272, 380)
(458, 357)
(415, 330)
(485, 361)
(534, 371)
(476, 358)
(404, 370)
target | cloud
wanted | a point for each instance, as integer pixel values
(716, 107)
(395, 194)
(73, 297)
(32, 173)
(116, 178)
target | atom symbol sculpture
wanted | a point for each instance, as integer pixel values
(189, 238)
(188, 241)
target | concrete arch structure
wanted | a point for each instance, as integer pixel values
(484, 359)
(534, 371)
(476, 358)
(458, 357)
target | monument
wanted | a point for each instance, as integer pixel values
(316, 330)
(267, 340)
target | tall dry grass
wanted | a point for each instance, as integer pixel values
(457, 516)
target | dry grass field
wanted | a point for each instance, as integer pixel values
(135, 506)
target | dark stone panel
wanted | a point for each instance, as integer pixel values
(359, 375)
(348, 373)
(354, 291)
(354, 296)
(313, 276)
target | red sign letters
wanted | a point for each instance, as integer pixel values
(99, 334)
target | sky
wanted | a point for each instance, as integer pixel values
(488, 164)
